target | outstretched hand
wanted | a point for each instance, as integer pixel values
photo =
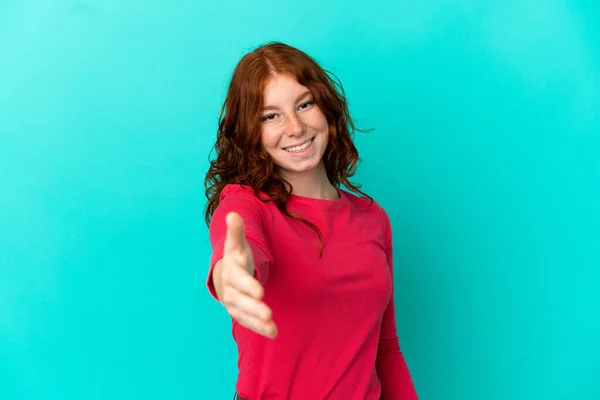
(237, 289)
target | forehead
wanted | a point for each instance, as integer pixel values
(282, 88)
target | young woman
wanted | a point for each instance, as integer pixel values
(303, 267)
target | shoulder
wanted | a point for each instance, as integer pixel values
(364, 202)
(241, 199)
(241, 192)
(236, 190)
(371, 207)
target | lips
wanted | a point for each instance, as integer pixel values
(298, 144)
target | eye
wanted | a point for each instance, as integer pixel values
(268, 117)
(306, 104)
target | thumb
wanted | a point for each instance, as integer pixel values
(235, 239)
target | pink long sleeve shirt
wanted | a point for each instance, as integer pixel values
(335, 314)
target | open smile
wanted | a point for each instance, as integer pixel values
(300, 147)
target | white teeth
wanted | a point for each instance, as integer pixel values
(299, 148)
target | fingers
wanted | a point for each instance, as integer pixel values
(252, 307)
(235, 240)
(240, 280)
(245, 313)
(267, 329)
(241, 297)
(250, 312)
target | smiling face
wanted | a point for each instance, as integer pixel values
(294, 131)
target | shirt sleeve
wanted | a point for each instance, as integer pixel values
(242, 201)
(393, 372)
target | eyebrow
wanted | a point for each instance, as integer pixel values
(306, 93)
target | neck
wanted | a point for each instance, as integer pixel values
(313, 184)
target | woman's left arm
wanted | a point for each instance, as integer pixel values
(393, 372)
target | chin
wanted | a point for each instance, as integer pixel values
(299, 169)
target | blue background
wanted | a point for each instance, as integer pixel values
(485, 153)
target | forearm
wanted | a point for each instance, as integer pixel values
(394, 374)
(215, 278)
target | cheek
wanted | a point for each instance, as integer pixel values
(323, 127)
(319, 121)
(270, 138)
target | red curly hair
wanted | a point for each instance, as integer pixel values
(240, 156)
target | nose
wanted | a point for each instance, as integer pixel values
(295, 126)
